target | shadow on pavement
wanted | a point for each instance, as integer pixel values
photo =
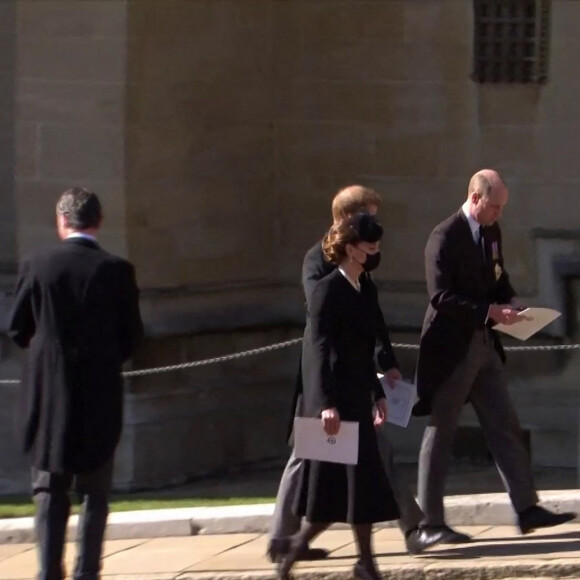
(534, 537)
(500, 550)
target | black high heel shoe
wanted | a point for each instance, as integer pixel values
(366, 571)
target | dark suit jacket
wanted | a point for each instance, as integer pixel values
(76, 310)
(461, 285)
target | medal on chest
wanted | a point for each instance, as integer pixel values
(495, 258)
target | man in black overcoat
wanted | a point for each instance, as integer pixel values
(76, 312)
(461, 358)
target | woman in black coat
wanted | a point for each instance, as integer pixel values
(340, 383)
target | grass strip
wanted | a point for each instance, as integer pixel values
(21, 506)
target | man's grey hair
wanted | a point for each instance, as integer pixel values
(81, 208)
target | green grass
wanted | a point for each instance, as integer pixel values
(21, 506)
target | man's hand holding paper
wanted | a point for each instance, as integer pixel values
(506, 314)
(528, 322)
(400, 400)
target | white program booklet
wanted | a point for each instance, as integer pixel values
(312, 442)
(533, 320)
(400, 401)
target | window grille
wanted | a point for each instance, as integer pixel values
(511, 41)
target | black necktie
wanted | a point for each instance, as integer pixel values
(481, 242)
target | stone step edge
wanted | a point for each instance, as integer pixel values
(520, 570)
(462, 510)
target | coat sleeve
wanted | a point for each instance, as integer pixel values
(386, 356)
(130, 327)
(314, 268)
(21, 323)
(439, 266)
(320, 389)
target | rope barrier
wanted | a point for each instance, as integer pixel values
(280, 345)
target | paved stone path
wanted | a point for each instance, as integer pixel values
(497, 552)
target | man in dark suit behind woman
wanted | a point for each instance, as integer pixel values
(461, 358)
(76, 312)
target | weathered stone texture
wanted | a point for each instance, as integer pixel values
(269, 107)
(68, 91)
(200, 142)
(8, 256)
(229, 407)
(216, 133)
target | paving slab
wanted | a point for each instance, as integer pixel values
(9, 550)
(495, 553)
(548, 555)
(172, 555)
(19, 567)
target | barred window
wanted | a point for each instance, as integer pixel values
(511, 41)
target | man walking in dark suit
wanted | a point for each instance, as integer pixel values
(76, 311)
(461, 358)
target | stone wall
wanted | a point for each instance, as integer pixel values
(213, 419)
(69, 88)
(7, 153)
(243, 118)
(216, 133)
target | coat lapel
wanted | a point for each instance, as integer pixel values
(469, 241)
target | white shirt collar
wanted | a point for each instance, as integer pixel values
(354, 283)
(81, 235)
(473, 223)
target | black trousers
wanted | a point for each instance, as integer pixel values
(51, 496)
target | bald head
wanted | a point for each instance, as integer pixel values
(484, 181)
(486, 195)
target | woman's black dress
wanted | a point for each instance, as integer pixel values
(338, 371)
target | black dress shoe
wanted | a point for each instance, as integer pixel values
(538, 517)
(448, 535)
(420, 539)
(277, 549)
(312, 554)
(366, 571)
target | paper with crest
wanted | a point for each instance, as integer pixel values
(400, 401)
(312, 442)
(532, 321)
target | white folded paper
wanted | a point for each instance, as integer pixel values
(400, 401)
(312, 442)
(533, 320)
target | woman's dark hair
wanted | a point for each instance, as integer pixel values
(360, 227)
